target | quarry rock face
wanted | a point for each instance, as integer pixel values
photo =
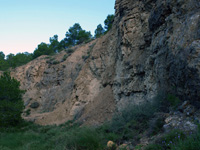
(153, 46)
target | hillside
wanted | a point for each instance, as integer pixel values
(152, 48)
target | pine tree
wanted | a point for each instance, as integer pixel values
(11, 104)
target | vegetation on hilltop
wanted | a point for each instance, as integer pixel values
(108, 22)
(99, 31)
(74, 36)
(12, 61)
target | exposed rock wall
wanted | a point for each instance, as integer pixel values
(158, 49)
(153, 46)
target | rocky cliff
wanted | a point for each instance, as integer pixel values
(153, 47)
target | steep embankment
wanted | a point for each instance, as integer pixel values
(154, 46)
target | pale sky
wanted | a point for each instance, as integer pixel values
(26, 23)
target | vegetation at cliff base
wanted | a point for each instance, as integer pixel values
(11, 104)
(177, 140)
(127, 125)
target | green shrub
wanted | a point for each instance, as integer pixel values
(52, 61)
(156, 125)
(85, 57)
(106, 134)
(132, 120)
(64, 57)
(55, 62)
(83, 139)
(139, 147)
(173, 101)
(10, 113)
(78, 67)
(48, 57)
(69, 51)
(27, 112)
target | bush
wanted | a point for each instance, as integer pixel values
(64, 58)
(132, 121)
(156, 125)
(173, 101)
(10, 113)
(69, 51)
(52, 61)
(85, 57)
(83, 139)
(55, 62)
(11, 104)
(27, 112)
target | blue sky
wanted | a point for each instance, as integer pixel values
(26, 23)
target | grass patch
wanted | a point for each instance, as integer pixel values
(177, 140)
(191, 142)
(67, 136)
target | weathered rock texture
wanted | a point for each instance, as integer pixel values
(153, 46)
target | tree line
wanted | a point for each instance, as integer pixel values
(74, 36)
